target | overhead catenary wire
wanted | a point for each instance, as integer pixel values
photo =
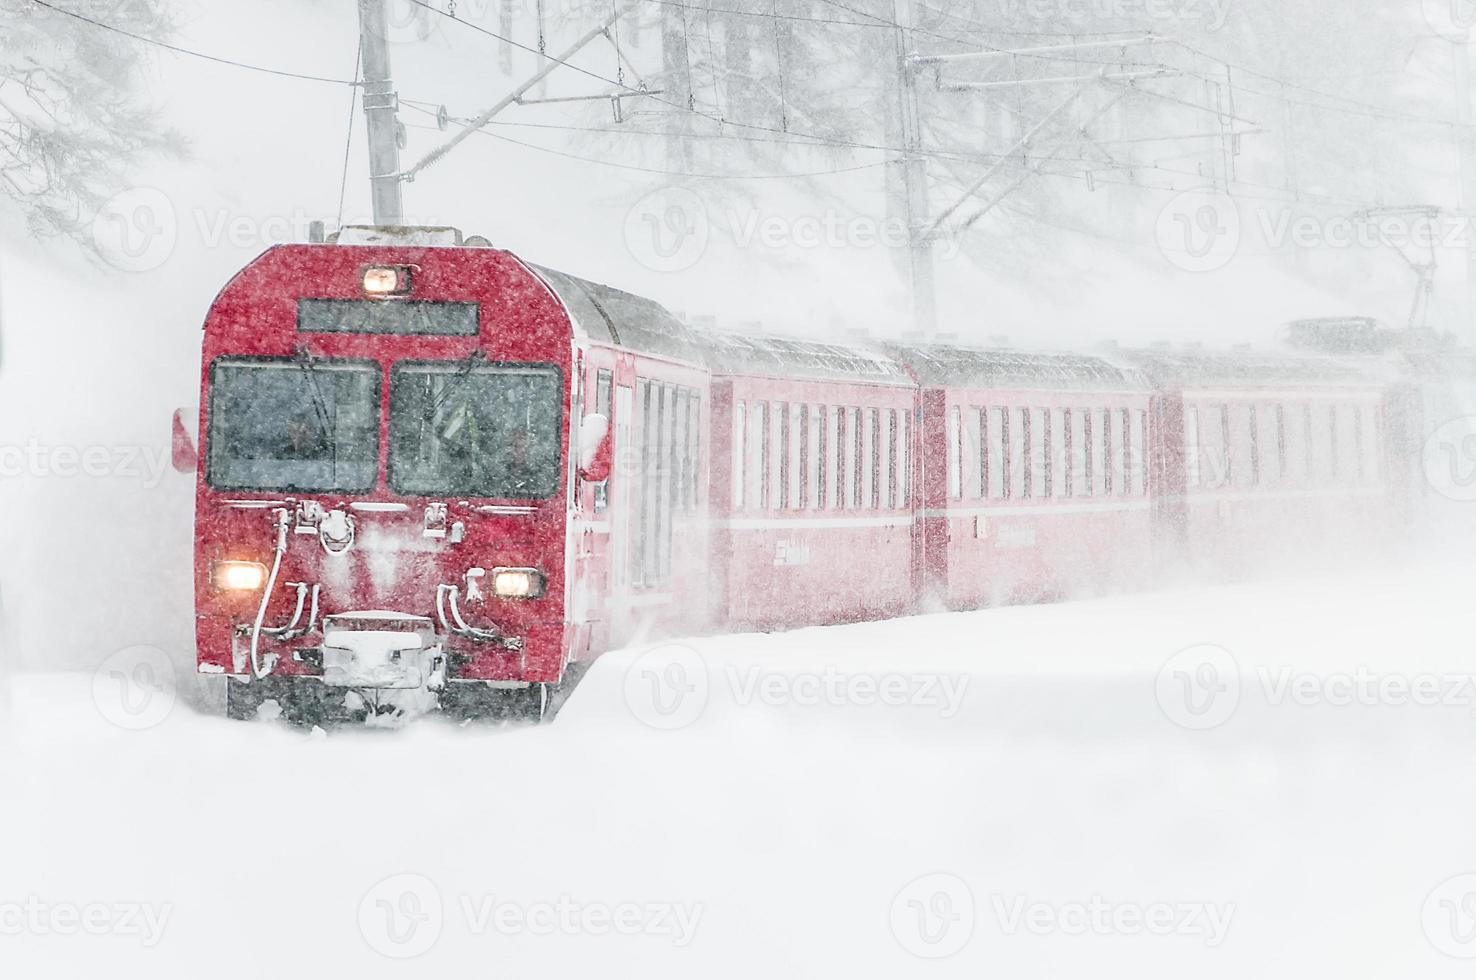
(178, 49)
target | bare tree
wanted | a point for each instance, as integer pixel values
(74, 120)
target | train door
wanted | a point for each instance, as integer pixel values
(593, 529)
(618, 507)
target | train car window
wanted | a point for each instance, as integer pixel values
(886, 465)
(1267, 446)
(779, 493)
(1295, 469)
(972, 455)
(778, 457)
(1331, 442)
(394, 317)
(868, 459)
(1214, 447)
(1368, 447)
(904, 450)
(797, 419)
(740, 455)
(1140, 452)
(758, 421)
(494, 431)
(652, 484)
(834, 481)
(1193, 470)
(955, 455)
(1309, 426)
(1108, 459)
(815, 457)
(1349, 454)
(293, 425)
(1065, 484)
(1089, 465)
(1042, 452)
(680, 413)
(982, 421)
(853, 464)
(640, 492)
(604, 386)
(1029, 433)
(1126, 460)
(1056, 437)
(1019, 453)
(694, 448)
(1243, 460)
(1357, 429)
(1278, 436)
(666, 492)
(999, 438)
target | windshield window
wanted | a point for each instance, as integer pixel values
(293, 425)
(475, 430)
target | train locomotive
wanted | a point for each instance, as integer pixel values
(433, 476)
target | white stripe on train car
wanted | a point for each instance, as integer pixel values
(1037, 510)
(1219, 495)
(808, 523)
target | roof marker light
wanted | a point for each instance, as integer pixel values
(387, 280)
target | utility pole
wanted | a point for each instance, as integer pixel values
(381, 105)
(1460, 50)
(915, 177)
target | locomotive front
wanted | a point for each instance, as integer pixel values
(383, 481)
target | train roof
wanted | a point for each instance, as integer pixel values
(614, 316)
(1240, 368)
(731, 353)
(954, 366)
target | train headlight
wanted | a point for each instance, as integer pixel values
(518, 583)
(387, 280)
(238, 576)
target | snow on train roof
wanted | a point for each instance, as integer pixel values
(949, 365)
(615, 316)
(730, 353)
(1198, 368)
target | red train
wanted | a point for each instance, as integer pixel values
(433, 475)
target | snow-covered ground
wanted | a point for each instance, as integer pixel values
(1036, 792)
